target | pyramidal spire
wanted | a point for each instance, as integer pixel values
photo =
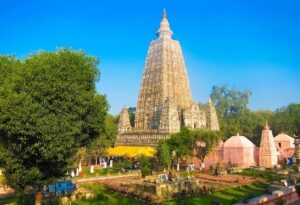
(164, 30)
(209, 100)
(267, 126)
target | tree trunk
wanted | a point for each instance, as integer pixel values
(38, 198)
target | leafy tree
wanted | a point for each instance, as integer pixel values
(99, 145)
(204, 141)
(234, 114)
(111, 128)
(249, 124)
(181, 143)
(230, 102)
(287, 119)
(49, 108)
(146, 171)
(164, 154)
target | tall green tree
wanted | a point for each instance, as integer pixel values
(230, 102)
(287, 119)
(164, 154)
(99, 145)
(49, 108)
(180, 143)
(204, 141)
(234, 114)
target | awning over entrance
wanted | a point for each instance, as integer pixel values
(131, 151)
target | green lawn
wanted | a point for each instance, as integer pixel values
(183, 174)
(227, 196)
(267, 174)
(100, 172)
(105, 198)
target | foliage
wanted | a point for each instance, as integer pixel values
(164, 154)
(181, 143)
(123, 163)
(48, 110)
(234, 114)
(204, 141)
(287, 119)
(111, 128)
(99, 145)
(146, 171)
(187, 143)
(230, 102)
(144, 160)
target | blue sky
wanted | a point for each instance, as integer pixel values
(251, 45)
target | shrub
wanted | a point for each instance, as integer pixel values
(280, 201)
(146, 171)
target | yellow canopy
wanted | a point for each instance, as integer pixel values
(131, 151)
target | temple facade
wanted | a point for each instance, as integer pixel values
(165, 101)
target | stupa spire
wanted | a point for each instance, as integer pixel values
(164, 30)
(164, 13)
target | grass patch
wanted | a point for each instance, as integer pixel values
(106, 198)
(100, 172)
(183, 174)
(226, 196)
(270, 175)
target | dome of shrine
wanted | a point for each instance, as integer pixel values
(239, 141)
(284, 138)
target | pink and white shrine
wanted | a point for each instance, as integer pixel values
(241, 151)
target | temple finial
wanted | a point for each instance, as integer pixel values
(267, 126)
(164, 15)
(164, 30)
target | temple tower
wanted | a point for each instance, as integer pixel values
(164, 77)
(124, 121)
(212, 121)
(268, 156)
(165, 101)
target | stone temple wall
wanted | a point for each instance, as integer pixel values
(140, 138)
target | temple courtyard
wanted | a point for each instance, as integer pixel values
(108, 186)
